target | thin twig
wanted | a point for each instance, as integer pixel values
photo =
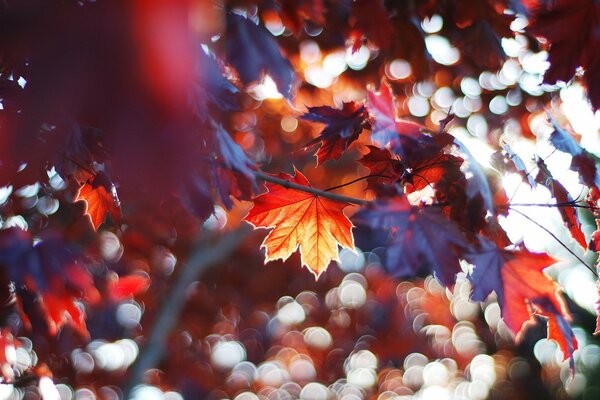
(317, 192)
(563, 204)
(207, 255)
(558, 240)
(357, 180)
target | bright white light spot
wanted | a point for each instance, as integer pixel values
(275, 26)
(28, 190)
(435, 373)
(512, 47)
(470, 87)
(317, 76)
(226, 355)
(267, 89)
(302, 370)
(362, 377)
(433, 24)
(359, 59)
(351, 261)
(246, 396)
(361, 359)
(82, 362)
(291, 314)
(310, 52)
(498, 105)
(47, 389)
(315, 391)
(22, 82)
(444, 97)
(352, 294)
(129, 315)
(418, 106)
(218, 219)
(5, 192)
(145, 392)
(317, 337)
(547, 352)
(477, 125)
(47, 205)
(400, 69)
(441, 51)
(272, 373)
(483, 368)
(173, 396)
(84, 394)
(110, 246)
(535, 63)
(335, 63)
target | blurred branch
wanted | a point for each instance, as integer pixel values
(209, 253)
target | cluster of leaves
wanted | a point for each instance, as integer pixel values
(152, 143)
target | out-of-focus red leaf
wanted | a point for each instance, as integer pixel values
(125, 287)
(342, 128)
(559, 330)
(571, 28)
(100, 199)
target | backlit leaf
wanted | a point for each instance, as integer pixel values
(300, 220)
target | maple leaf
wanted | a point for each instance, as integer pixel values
(100, 198)
(300, 220)
(568, 214)
(343, 128)
(559, 329)
(252, 50)
(52, 270)
(416, 237)
(384, 168)
(517, 278)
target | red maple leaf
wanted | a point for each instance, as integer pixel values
(343, 128)
(383, 166)
(100, 198)
(568, 214)
(517, 278)
(314, 224)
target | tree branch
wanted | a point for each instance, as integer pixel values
(308, 189)
(207, 255)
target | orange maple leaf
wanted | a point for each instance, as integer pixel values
(100, 199)
(302, 220)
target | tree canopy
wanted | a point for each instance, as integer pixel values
(315, 199)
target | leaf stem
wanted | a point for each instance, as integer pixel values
(558, 240)
(308, 189)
